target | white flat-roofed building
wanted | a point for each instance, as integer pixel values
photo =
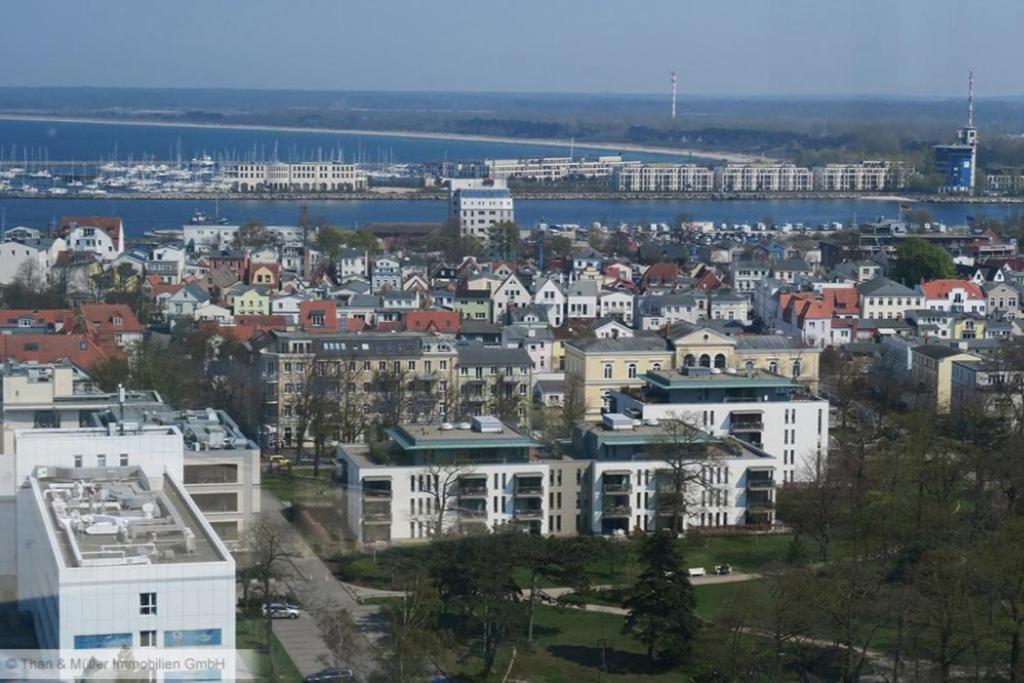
(867, 176)
(763, 178)
(219, 237)
(479, 205)
(307, 176)
(482, 469)
(772, 413)
(115, 557)
(628, 486)
(550, 169)
(663, 177)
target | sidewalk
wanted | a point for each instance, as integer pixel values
(320, 591)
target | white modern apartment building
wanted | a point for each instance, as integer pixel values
(772, 413)
(479, 205)
(114, 557)
(218, 236)
(867, 176)
(628, 487)
(556, 168)
(307, 176)
(763, 178)
(478, 474)
(663, 177)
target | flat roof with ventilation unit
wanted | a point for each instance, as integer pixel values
(104, 517)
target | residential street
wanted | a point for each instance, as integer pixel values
(320, 592)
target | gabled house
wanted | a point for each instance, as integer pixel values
(184, 302)
(551, 296)
(508, 295)
(319, 315)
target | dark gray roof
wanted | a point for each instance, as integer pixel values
(621, 344)
(491, 355)
(883, 286)
(936, 351)
(768, 342)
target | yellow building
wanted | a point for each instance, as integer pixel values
(931, 374)
(251, 301)
(602, 365)
(968, 328)
(778, 354)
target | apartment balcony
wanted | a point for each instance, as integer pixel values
(475, 487)
(615, 511)
(760, 479)
(528, 512)
(528, 486)
(746, 424)
(377, 514)
(760, 483)
(616, 486)
(472, 509)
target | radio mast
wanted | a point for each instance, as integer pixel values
(674, 81)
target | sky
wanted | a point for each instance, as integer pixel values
(718, 47)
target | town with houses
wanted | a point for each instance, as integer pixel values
(540, 385)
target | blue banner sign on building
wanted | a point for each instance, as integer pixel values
(101, 640)
(194, 638)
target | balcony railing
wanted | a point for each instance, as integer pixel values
(617, 487)
(739, 426)
(472, 491)
(528, 513)
(615, 511)
(760, 484)
(529, 487)
(470, 513)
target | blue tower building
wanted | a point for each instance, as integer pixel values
(957, 162)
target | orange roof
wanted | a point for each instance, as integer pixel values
(51, 348)
(327, 308)
(50, 317)
(940, 289)
(112, 225)
(432, 320)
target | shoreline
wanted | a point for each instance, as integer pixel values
(728, 157)
(520, 196)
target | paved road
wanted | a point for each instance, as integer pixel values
(319, 590)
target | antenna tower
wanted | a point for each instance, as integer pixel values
(674, 86)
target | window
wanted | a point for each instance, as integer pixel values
(147, 603)
(607, 370)
(101, 460)
(123, 460)
(631, 370)
(147, 638)
(78, 461)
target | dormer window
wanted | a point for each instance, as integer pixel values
(117, 322)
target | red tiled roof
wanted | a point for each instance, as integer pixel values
(51, 348)
(51, 317)
(329, 310)
(940, 289)
(112, 225)
(432, 320)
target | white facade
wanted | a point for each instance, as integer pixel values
(479, 205)
(313, 176)
(664, 177)
(763, 178)
(13, 255)
(555, 168)
(867, 176)
(616, 304)
(84, 593)
(794, 432)
(551, 297)
(411, 513)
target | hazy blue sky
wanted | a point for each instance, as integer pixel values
(719, 47)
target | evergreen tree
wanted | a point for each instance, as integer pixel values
(661, 603)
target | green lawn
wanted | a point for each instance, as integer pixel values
(711, 598)
(744, 553)
(299, 486)
(568, 647)
(249, 636)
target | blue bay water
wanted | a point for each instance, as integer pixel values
(82, 141)
(77, 141)
(145, 214)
